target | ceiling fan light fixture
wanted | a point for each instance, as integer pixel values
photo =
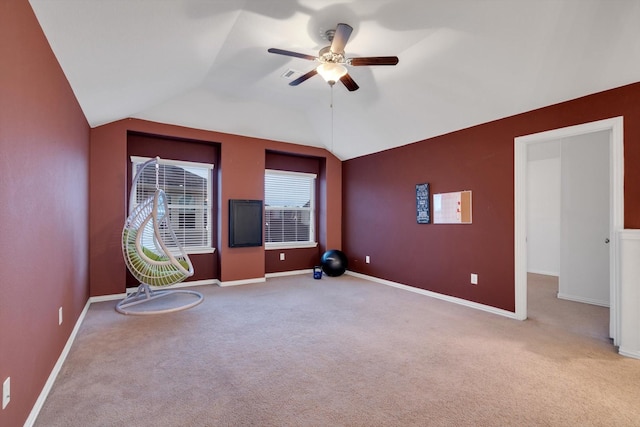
(333, 59)
(331, 72)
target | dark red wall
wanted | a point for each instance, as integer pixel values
(240, 171)
(44, 161)
(294, 259)
(379, 215)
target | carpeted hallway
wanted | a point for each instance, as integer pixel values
(345, 352)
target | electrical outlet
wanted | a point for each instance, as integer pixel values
(367, 259)
(281, 256)
(6, 392)
(474, 279)
(60, 316)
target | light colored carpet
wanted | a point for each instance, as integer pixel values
(345, 352)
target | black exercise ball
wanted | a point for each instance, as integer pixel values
(334, 262)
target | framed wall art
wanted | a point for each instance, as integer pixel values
(423, 205)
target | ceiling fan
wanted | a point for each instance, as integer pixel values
(333, 60)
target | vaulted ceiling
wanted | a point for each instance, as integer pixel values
(204, 63)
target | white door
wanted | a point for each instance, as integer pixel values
(585, 224)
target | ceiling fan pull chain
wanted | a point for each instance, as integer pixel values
(331, 106)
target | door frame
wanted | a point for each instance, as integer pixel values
(616, 208)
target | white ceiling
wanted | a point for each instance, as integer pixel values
(204, 63)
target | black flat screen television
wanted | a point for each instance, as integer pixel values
(245, 223)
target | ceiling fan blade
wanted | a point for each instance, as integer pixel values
(289, 53)
(303, 77)
(349, 83)
(340, 38)
(374, 60)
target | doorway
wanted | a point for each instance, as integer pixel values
(614, 129)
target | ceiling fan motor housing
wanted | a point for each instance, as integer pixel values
(329, 34)
(326, 55)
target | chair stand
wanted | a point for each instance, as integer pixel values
(145, 294)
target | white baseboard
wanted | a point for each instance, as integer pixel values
(205, 282)
(35, 411)
(448, 298)
(583, 300)
(628, 353)
(288, 273)
(243, 282)
(545, 273)
(111, 297)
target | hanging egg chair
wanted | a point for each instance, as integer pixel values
(154, 255)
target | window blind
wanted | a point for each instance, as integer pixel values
(187, 186)
(289, 207)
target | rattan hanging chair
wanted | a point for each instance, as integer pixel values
(154, 256)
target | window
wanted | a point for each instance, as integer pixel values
(289, 199)
(188, 189)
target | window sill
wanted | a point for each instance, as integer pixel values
(289, 245)
(200, 251)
